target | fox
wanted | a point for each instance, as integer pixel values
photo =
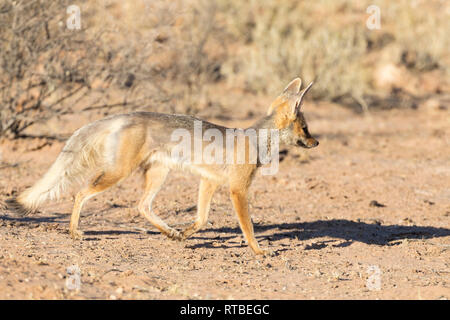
(103, 153)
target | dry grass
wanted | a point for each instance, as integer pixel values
(175, 56)
(328, 41)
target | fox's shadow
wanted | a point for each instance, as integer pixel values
(62, 218)
(56, 218)
(350, 231)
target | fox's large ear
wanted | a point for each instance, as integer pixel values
(292, 89)
(300, 97)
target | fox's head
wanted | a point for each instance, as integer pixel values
(287, 117)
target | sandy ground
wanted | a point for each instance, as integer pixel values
(318, 214)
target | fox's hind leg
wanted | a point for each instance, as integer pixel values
(124, 153)
(206, 191)
(154, 179)
(99, 184)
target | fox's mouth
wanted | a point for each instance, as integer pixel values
(301, 144)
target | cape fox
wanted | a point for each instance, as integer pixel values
(103, 153)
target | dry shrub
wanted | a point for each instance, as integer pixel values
(168, 55)
(165, 48)
(42, 64)
(130, 55)
(328, 41)
(285, 41)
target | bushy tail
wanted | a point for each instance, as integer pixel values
(76, 162)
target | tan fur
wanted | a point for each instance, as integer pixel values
(107, 151)
(282, 117)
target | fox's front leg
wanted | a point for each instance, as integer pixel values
(205, 193)
(154, 179)
(240, 203)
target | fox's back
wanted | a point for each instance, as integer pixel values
(144, 138)
(154, 120)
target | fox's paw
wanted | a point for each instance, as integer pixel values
(184, 236)
(76, 234)
(188, 232)
(266, 253)
(175, 235)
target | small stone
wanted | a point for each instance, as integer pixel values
(119, 290)
(375, 203)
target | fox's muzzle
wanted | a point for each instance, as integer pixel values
(308, 143)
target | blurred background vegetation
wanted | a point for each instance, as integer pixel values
(207, 57)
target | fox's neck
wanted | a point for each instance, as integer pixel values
(266, 122)
(263, 128)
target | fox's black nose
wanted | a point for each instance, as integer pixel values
(312, 143)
